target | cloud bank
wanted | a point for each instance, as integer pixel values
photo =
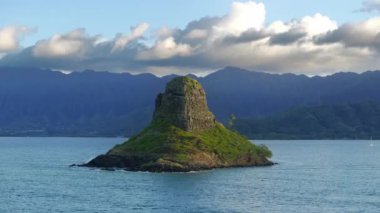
(10, 37)
(313, 45)
(370, 6)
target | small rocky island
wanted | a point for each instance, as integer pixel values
(183, 136)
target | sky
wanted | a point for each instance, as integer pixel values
(199, 36)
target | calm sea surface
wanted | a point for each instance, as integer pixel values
(312, 176)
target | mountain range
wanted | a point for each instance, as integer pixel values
(343, 121)
(91, 103)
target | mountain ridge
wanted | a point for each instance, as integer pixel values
(49, 103)
(345, 121)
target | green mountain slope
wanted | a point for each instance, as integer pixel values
(348, 121)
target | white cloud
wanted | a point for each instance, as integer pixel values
(243, 17)
(77, 44)
(137, 32)
(164, 49)
(72, 44)
(164, 32)
(278, 27)
(10, 36)
(196, 34)
(317, 24)
(313, 44)
(364, 34)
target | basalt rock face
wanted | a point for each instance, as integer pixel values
(184, 105)
(183, 136)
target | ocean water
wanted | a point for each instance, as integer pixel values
(312, 176)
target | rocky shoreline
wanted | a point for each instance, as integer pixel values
(183, 136)
(115, 162)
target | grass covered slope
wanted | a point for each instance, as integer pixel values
(183, 136)
(164, 147)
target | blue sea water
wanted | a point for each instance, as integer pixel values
(312, 176)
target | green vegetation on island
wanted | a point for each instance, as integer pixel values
(183, 136)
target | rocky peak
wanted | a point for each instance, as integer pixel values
(184, 105)
(162, 148)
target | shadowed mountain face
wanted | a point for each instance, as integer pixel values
(346, 121)
(42, 102)
(253, 94)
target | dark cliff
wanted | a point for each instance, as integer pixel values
(184, 105)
